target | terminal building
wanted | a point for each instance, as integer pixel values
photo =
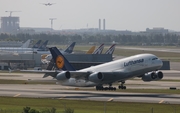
(10, 24)
(79, 61)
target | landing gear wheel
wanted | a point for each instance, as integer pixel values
(122, 85)
(105, 88)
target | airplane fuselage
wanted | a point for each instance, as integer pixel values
(119, 70)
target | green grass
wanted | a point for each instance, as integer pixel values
(175, 57)
(159, 91)
(10, 104)
(5, 81)
(170, 56)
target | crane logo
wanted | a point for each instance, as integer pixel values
(60, 62)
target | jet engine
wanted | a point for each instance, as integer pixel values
(152, 76)
(96, 77)
(159, 75)
(63, 75)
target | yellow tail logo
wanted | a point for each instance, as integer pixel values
(60, 62)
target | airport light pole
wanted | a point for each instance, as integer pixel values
(52, 19)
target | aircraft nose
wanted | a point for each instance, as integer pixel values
(160, 62)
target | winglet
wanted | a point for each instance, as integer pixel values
(60, 60)
(99, 49)
(111, 49)
(70, 48)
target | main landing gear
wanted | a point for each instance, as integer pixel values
(105, 88)
(100, 87)
(122, 85)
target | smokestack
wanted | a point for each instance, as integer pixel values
(104, 24)
(99, 24)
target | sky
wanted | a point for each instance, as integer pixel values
(133, 15)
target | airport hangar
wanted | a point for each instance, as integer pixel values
(79, 61)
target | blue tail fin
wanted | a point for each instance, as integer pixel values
(43, 46)
(60, 60)
(70, 48)
(37, 44)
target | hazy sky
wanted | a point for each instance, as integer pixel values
(135, 15)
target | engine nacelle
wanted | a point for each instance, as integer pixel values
(159, 75)
(65, 75)
(152, 76)
(96, 77)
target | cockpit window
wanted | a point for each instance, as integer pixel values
(154, 58)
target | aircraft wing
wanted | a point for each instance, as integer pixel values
(42, 71)
(47, 73)
(91, 76)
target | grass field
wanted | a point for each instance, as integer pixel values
(175, 57)
(15, 105)
(5, 81)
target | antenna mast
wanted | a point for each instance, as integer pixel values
(52, 19)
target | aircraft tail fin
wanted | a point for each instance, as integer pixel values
(99, 49)
(49, 67)
(9, 69)
(70, 48)
(26, 44)
(91, 50)
(111, 49)
(37, 44)
(43, 46)
(60, 60)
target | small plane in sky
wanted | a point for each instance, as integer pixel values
(48, 4)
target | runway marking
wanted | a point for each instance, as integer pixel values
(17, 95)
(161, 101)
(62, 97)
(111, 99)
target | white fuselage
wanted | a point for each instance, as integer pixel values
(119, 70)
(18, 49)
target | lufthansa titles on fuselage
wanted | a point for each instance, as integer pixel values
(132, 62)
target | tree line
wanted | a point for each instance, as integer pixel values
(152, 39)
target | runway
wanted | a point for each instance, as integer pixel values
(65, 92)
(52, 91)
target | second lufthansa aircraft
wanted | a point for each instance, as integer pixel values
(142, 65)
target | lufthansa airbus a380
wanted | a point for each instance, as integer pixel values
(142, 65)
